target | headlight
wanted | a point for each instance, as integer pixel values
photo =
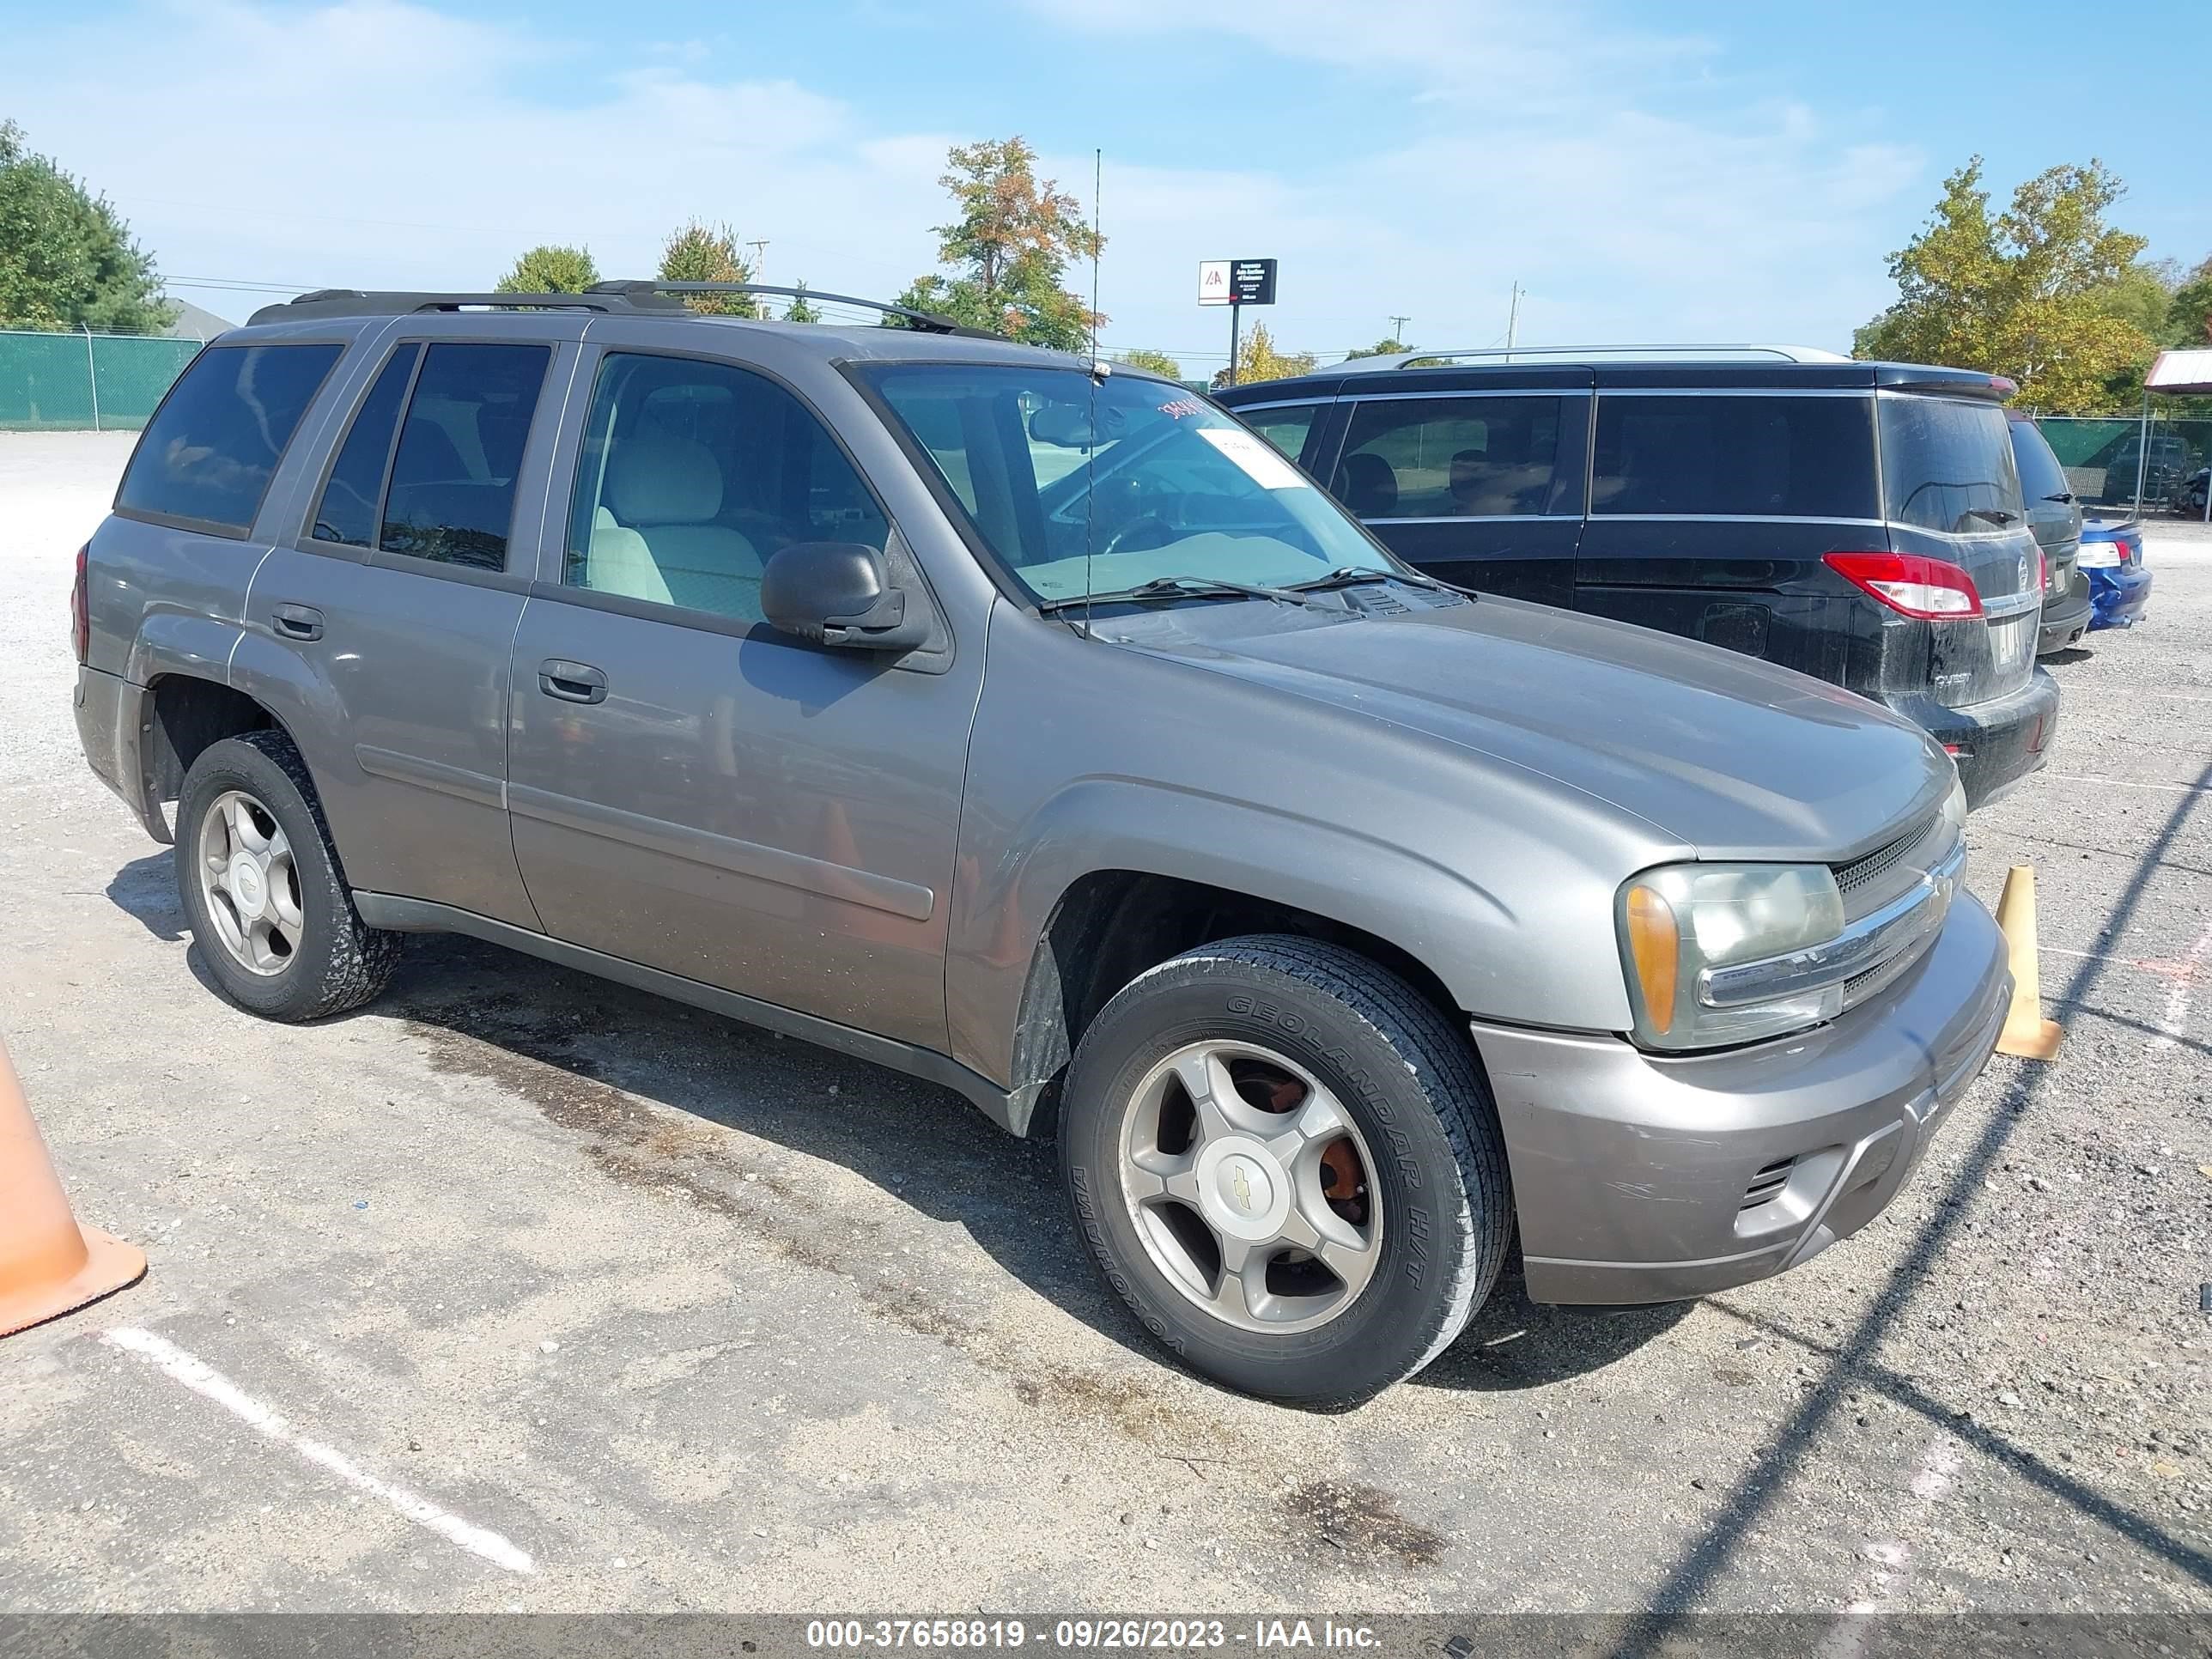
(1681, 924)
(1954, 808)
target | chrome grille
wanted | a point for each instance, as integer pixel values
(1869, 882)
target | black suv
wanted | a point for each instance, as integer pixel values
(1861, 522)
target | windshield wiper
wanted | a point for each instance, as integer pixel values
(1188, 588)
(1351, 575)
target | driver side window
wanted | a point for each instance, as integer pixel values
(693, 474)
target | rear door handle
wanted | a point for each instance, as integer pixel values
(299, 622)
(572, 681)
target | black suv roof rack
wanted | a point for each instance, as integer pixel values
(653, 298)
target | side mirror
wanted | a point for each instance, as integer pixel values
(840, 593)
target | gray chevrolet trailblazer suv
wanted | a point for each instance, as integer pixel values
(1039, 730)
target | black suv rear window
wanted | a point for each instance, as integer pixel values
(1947, 466)
(209, 453)
(1718, 454)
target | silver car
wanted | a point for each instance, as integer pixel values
(1039, 730)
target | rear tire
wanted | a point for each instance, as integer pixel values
(1346, 1112)
(262, 888)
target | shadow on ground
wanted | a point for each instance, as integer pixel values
(585, 1052)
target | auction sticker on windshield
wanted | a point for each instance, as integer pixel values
(1259, 462)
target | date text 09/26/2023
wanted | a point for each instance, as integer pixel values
(1259, 1635)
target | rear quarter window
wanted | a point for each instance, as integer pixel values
(208, 454)
(1718, 454)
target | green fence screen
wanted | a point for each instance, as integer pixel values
(80, 382)
(2106, 460)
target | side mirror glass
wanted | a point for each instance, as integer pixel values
(840, 593)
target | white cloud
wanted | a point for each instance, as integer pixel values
(1617, 175)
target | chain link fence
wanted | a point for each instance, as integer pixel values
(2118, 461)
(52, 382)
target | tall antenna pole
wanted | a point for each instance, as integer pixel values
(1513, 318)
(1097, 181)
(1090, 449)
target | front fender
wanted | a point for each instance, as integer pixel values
(1487, 954)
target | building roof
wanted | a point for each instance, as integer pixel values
(2184, 372)
(195, 322)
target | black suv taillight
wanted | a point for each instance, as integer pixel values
(81, 608)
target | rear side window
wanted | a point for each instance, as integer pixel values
(347, 513)
(1285, 428)
(1455, 458)
(2041, 477)
(208, 454)
(452, 494)
(1717, 455)
(1947, 466)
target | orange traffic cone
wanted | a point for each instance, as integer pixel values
(2027, 1033)
(48, 1263)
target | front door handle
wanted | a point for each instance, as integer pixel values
(299, 622)
(572, 681)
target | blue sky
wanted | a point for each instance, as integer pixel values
(1701, 170)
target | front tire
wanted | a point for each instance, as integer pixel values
(1286, 1162)
(262, 888)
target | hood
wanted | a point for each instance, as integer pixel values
(1735, 756)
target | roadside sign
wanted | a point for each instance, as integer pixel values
(1236, 281)
(1252, 282)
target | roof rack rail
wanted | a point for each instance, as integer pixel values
(1592, 354)
(357, 302)
(928, 322)
(658, 298)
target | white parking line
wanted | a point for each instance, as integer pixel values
(2177, 999)
(204, 1380)
(2129, 783)
(1889, 1562)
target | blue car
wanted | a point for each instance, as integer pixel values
(2113, 560)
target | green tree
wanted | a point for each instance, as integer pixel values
(801, 309)
(709, 253)
(1379, 348)
(2028, 293)
(550, 269)
(1258, 359)
(1009, 249)
(1158, 362)
(2189, 312)
(67, 259)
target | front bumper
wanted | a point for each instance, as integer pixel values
(2118, 594)
(1640, 1178)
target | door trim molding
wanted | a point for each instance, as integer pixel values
(475, 788)
(744, 858)
(407, 916)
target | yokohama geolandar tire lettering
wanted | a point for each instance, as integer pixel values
(1180, 1103)
(336, 960)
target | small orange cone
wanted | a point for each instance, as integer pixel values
(48, 1263)
(2027, 1033)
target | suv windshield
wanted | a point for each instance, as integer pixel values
(1097, 487)
(1947, 465)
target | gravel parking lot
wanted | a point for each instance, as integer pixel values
(519, 1289)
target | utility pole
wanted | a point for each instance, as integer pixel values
(760, 256)
(1513, 320)
(1396, 324)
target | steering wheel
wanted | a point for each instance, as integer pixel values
(1164, 533)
